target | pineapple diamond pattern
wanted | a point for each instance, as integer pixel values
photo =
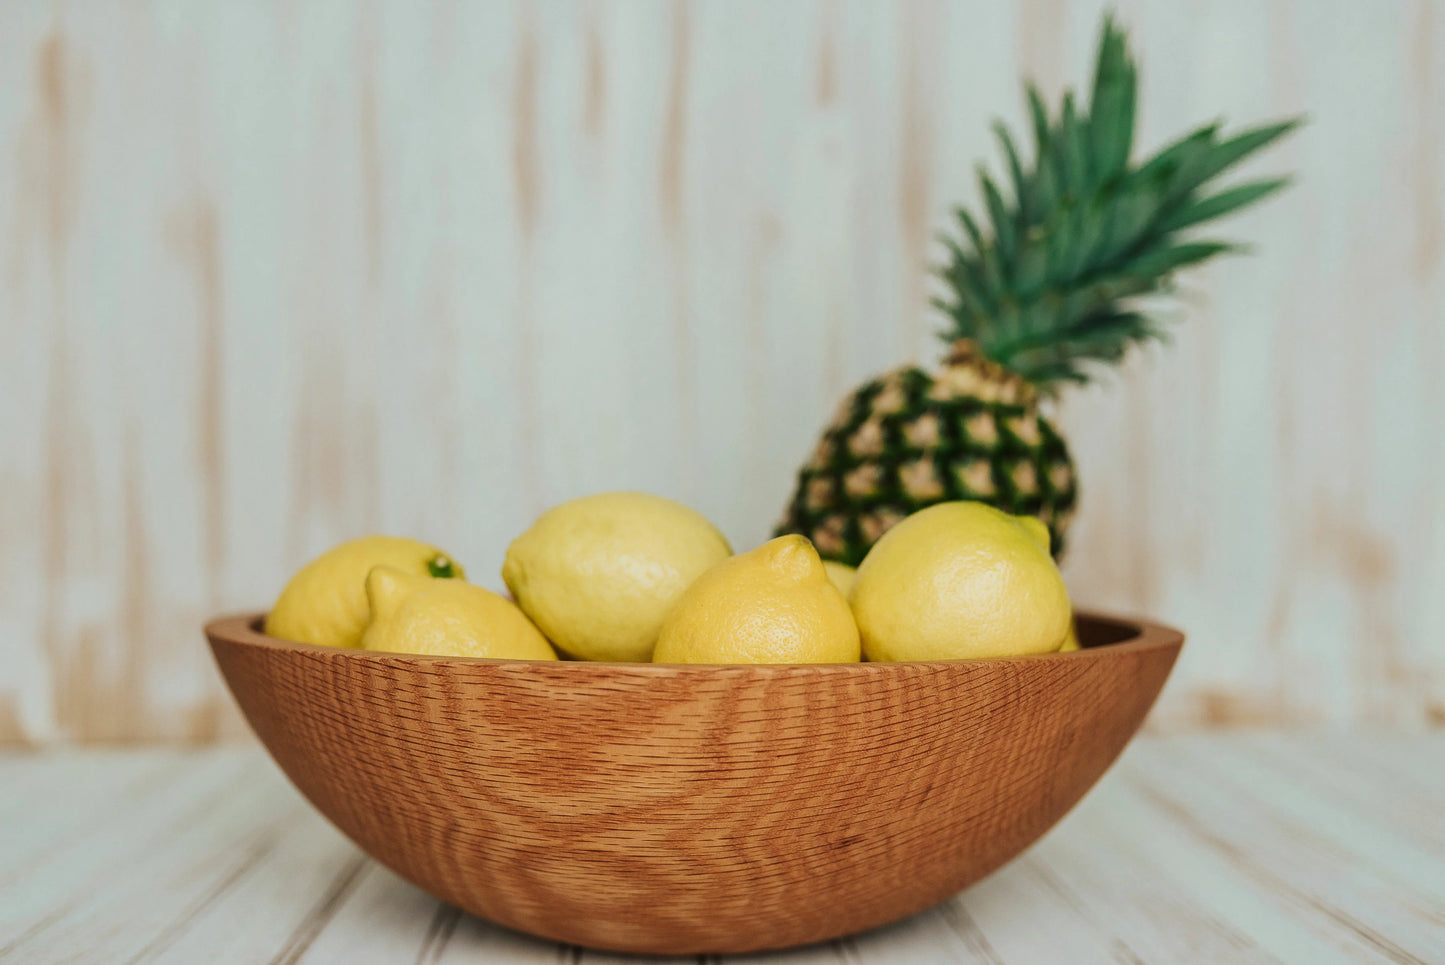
(976, 477)
(907, 440)
(982, 428)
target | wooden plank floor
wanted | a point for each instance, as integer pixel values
(1234, 848)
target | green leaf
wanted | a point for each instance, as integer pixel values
(1050, 189)
(1047, 176)
(1073, 160)
(965, 323)
(1132, 214)
(965, 280)
(1007, 322)
(1023, 192)
(1005, 232)
(1242, 145)
(964, 276)
(1047, 278)
(1210, 164)
(1032, 270)
(1223, 203)
(955, 253)
(971, 227)
(1111, 104)
(1162, 166)
(1075, 248)
(1163, 261)
(1040, 117)
(994, 281)
(983, 266)
(1058, 241)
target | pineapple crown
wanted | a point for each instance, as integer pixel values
(1050, 287)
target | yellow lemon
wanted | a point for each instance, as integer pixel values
(774, 604)
(599, 574)
(1036, 529)
(325, 602)
(960, 579)
(841, 575)
(1040, 533)
(1071, 640)
(446, 618)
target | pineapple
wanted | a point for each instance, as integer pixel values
(1037, 302)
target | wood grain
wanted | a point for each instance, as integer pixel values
(666, 809)
(1123, 879)
(276, 275)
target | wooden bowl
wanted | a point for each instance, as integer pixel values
(675, 809)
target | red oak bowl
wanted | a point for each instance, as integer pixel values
(694, 809)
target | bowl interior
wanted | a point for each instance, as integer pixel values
(1094, 630)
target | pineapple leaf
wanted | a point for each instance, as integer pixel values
(1159, 262)
(1111, 127)
(1218, 205)
(1163, 168)
(1032, 270)
(1005, 229)
(964, 280)
(1021, 186)
(1130, 219)
(1039, 114)
(1046, 177)
(1225, 155)
(971, 227)
(1071, 147)
(1046, 286)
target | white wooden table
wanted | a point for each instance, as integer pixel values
(1245, 848)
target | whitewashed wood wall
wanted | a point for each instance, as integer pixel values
(277, 274)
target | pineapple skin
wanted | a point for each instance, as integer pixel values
(909, 439)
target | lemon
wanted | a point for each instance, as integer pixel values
(841, 575)
(446, 618)
(325, 602)
(1071, 640)
(1036, 529)
(774, 604)
(599, 574)
(960, 579)
(1040, 533)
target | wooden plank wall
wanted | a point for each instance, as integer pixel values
(277, 274)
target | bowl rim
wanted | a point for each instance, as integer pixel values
(244, 629)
